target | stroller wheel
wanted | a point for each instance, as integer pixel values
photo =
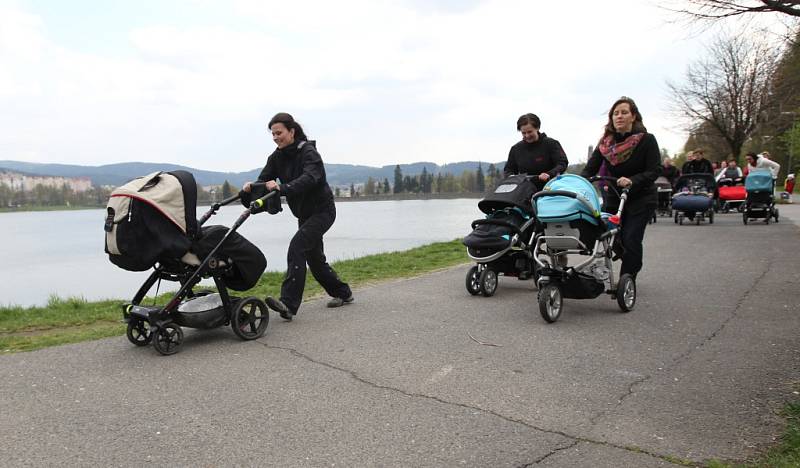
(139, 332)
(250, 318)
(168, 339)
(776, 215)
(550, 302)
(711, 218)
(488, 282)
(473, 281)
(744, 217)
(626, 293)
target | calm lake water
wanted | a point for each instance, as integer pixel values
(61, 252)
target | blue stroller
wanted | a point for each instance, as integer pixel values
(568, 209)
(760, 201)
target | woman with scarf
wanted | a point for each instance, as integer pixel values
(296, 171)
(632, 156)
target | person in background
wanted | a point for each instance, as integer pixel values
(295, 169)
(698, 165)
(670, 171)
(755, 161)
(537, 154)
(788, 188)
(632, 156)
(731, 172)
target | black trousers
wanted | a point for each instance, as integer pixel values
(633, 226)
(306, 247)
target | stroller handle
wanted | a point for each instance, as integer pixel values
(259, 205)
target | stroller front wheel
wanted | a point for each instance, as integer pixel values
(473, 281)
(139, 332)
(488, 282)
(626, 293)
(550, 303)
(168, 339)
(250, 318)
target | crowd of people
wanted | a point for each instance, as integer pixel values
(725, 170)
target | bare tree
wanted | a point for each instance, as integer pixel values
(728, 92)
(718, 9)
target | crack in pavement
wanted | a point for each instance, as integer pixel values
(576, 439)
(683, 357)
(553, 452)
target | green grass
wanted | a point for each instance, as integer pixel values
(75, 319)
(784, 455)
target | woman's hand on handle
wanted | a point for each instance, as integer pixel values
(544, 177)
(271, 185)
(624, 182)
(247, 187)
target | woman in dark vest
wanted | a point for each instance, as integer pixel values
(632, 155)
(295, 170)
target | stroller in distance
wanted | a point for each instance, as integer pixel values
(151, 223)
(760, 202)
(664, 188)
(569, 210)
(500, 243)
(694, 198)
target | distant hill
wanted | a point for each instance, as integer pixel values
(338, 174)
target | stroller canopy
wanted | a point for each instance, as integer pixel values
(514, 191)
(759, 180)
(585, 206)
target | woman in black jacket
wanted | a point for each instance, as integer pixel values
(632, 155)
(295, 170)
(537, 154)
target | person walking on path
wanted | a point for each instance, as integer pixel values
(698, 165)
(296, 171)
(632, 155)
(755, 161)
(537, 154)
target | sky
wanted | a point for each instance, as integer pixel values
(375, 82)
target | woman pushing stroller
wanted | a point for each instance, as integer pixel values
(632, 155)
(537, 154)
(296, 171)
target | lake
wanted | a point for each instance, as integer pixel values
(61, 252)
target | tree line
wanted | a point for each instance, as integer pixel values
(476, 181)
(744, 94)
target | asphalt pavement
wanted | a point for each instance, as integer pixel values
(419, 373)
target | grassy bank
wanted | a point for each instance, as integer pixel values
(786, 454)
(74, 320)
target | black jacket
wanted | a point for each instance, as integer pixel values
(642, 168)
(302, 178)
(543, 155)
(702, 166)
(671, 173)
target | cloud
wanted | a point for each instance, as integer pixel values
(376, 82)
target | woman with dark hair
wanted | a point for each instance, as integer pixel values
(295, 170)
(632, 156)
(537, 154)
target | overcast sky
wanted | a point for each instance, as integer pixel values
(375, 82)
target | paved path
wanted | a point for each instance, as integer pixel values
(700, 369)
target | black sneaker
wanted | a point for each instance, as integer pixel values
(338, 301)
(280, 308)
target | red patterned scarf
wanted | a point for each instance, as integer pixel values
(618, 153)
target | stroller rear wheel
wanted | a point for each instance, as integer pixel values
(488, 282)
(168, 339)
(250, 318)
(139, 332)
(626, 293)
(550, 303)
(473, 281)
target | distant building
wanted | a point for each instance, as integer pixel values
(26, 183)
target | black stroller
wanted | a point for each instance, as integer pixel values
(664, 188)
(694, 198)
(500, 243)
(151, 223)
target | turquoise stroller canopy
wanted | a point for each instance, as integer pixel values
(759, 180)
(561, 208)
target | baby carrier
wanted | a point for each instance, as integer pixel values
(151, 223)
(694, 198)
(568, 209)
(732, 194)
(500, 242)
(760, 201)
